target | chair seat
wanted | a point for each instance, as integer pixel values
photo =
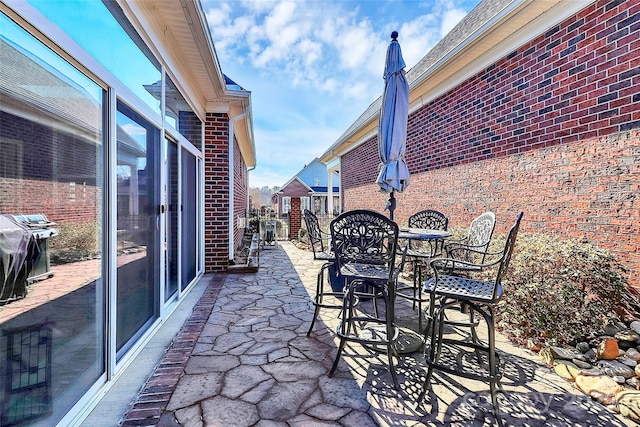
(325, 256)
(462, 288)
(365, 272)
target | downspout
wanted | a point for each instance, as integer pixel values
(232, 121)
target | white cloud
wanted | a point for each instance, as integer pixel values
(314, 66)
(450, 19)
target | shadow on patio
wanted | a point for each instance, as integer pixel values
(253, 364)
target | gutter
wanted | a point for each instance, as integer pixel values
(232, 122)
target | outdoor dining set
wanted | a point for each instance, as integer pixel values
(368, 258)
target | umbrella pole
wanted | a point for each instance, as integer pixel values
(391, 204)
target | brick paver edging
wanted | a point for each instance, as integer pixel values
(156, 392)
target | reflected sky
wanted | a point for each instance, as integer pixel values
(95, 29)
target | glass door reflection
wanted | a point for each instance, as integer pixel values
(174, 208)
(138, 222)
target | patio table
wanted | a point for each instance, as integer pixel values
(413, 340)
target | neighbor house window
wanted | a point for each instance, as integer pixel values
(305, 203)
(286, 204)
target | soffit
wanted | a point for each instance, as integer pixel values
(178, 33)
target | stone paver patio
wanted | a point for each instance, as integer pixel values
(252, 364)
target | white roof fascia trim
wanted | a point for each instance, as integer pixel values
(355, 144)
(562, 11)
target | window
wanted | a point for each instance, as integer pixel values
(286, 204)
(305, 203)
(51, 163)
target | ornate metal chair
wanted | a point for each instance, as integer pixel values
(478, 238)
(317, 238)
(472, 250)
(365, 243)
(420, 253)
(481, 295)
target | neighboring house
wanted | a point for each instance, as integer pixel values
(527, 106)
(139, 150)
(312, 188)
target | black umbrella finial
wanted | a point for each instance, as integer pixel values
(394, 35)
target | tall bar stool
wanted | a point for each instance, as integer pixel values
(317, 240)
(364, 243)
(472, 249)
(481, 296)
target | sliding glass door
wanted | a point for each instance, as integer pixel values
(138, 226)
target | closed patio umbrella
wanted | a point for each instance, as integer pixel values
(392, 125)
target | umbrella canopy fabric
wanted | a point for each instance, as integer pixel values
(392, 126)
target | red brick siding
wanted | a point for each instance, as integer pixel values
(240, 181)
(295, 219)
(551, 129)
(216, 192)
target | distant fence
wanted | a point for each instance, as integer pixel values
(259, 222)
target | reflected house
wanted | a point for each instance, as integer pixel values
(143, 166)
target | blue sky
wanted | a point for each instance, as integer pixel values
(314, 66)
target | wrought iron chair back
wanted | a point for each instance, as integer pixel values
(429, 219)
(478, 238)
(316, 236)
(364, 236)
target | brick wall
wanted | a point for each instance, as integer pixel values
(551, 129)
(216, 192)
(240, 185)
(295, 218)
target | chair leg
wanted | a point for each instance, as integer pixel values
(317, 299)
(493, 366)
(344, 328)
(432, 355)
(391, 351)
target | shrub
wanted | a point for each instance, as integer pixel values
(75, 242)
(560, 291)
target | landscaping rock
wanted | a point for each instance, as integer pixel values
(614, 368)
(547, 356)
(619, 379)
(629, 362)
(637, 370)
(633, 383)
(601, 387)
(583, 347)
(582, 364)
(633, 354)
(627, 335)
(629, 404)
(613, 328)
(607, 349)
(635, 326)
(565, 353)
(567, 370)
